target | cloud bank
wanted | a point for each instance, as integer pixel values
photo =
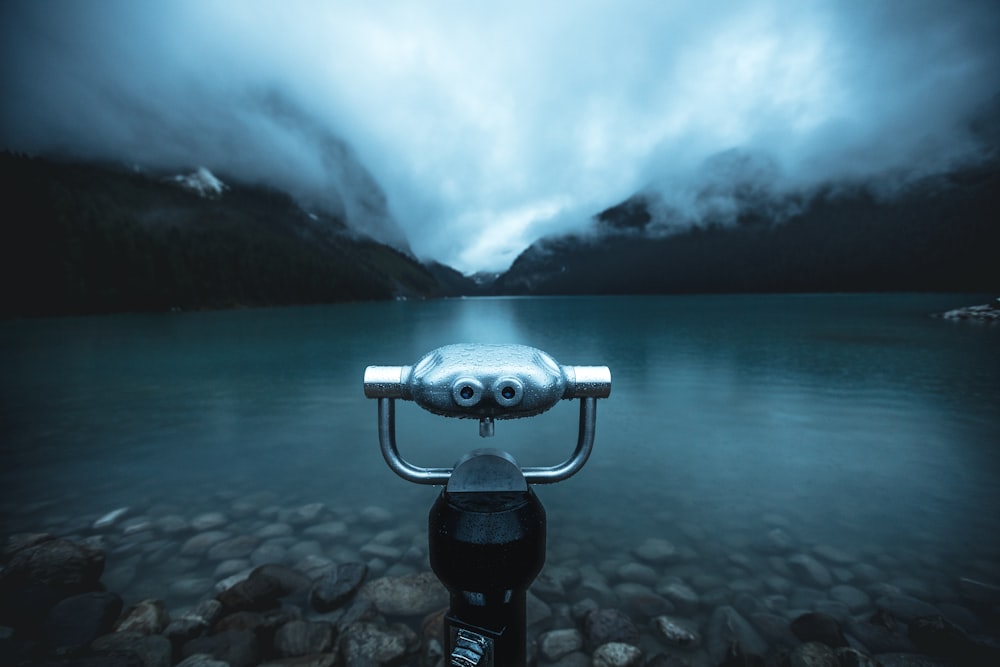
(482, 127)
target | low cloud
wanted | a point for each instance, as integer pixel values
(481, 128)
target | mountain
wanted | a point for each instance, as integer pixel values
(85, 238)
(939, 233)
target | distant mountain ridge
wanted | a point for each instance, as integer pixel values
(88, 238)
(939, 233)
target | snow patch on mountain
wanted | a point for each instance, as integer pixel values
(202, 182)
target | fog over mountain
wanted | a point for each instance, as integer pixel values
(466, 131)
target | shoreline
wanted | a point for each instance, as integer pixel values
(254, 583)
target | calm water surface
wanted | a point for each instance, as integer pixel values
(853, 421)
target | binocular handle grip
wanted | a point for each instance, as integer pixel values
(486, 382)
(440, 476)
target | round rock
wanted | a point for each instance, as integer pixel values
(603, 626)
(676, 631)
(813, 654)
(299, 637)
(199, 544)
(240, 546)
(337, 586)
(408, 595)
(810, 570)
(656, 551)
(680, 594)
(559, 643)
(63, 565)
(209, 521)
(76, 621)
(148, 617)
(617, 654)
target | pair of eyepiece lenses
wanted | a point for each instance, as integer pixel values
(506, 392)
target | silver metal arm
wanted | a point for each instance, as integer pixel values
(399, 465)
(440, 476)
(488, 383)
(584, 445)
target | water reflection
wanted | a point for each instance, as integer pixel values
(858, 419)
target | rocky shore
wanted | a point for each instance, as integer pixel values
(988, 312)
(258, 583)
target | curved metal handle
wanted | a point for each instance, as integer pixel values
(440, 476)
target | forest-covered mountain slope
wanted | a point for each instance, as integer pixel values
(940, 233)
(84, 238)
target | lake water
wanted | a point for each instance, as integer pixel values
(855, 422)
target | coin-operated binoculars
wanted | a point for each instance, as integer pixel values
(486, 531)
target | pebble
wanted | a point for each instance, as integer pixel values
(410, 595)
(60, 564)
(314, 566)
(274, 530)
(834, 554)
(676, 631)
(269, 552)
(110, 519)
(74, 622)
(608, 625)
(257, 592)
(190, 586)
(557, 644)
(209, 521)
(810, 570)
(727, 628)
(305, 514)
(152, 650)
(139, 524)
(365, 643)
(385, 552)
(240, 546)
(237, 648)
(199, 544)
(640, 600)
(777, 541)
(327, 532)
(867, 573)
(300, 550)
(638, 573)
(298, 638)
(656, 551)
(548, 587)
(617, 654)
(681, 595)
(148, 617)
(337, 586)
(375, 515)
(171, 524)
(230, 567)
(813, 654)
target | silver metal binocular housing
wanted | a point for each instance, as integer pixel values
(486, 382)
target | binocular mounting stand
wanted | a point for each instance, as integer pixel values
(486, 530)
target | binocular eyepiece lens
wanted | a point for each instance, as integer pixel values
(507, 392)
(467, 392)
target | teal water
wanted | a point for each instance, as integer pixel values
(858, 420)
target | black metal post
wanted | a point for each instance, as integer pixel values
(486, 546)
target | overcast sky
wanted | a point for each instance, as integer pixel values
(488, 125)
